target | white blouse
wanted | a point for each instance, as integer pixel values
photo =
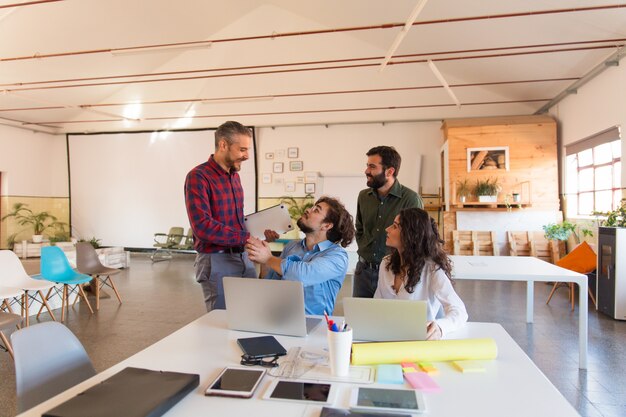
(433, 287)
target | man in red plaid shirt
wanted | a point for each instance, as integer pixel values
(214, 199)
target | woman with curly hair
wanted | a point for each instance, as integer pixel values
(419, 269)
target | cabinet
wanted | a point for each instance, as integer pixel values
(611, 272)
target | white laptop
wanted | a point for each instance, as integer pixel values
(267, 306)
(380, 320)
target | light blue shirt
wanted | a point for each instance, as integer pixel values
(321, 271)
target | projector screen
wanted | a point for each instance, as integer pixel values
(125, 187)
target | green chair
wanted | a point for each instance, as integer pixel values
(187, 243)
(165, 242)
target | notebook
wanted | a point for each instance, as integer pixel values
(266, 306)
(132, 392)
(379, 320)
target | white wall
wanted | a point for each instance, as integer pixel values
(339, 151)
(598, 105)
(33, 164)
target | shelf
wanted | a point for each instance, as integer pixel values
(493, 206)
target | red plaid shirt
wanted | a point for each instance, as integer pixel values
(214, 200)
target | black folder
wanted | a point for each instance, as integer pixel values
(132, 392)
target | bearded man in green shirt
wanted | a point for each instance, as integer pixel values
(377, 206)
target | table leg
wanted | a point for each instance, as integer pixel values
(583, 322)
(530, 299)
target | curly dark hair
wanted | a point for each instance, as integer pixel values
(343, 230)
(420, 242)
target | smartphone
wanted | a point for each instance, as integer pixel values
(236, 382)
(301, 391)
(387, 400)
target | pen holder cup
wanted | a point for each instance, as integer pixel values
(339, 351)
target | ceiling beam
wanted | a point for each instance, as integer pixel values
(405, 29)
(612, 60)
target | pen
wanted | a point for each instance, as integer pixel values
(326, 317)
(333, 327)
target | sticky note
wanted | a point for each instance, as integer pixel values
(422, 381)
(469, 366)
(429, 368)
(409, 370)
(389, 374)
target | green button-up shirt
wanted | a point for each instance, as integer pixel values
(374, 215)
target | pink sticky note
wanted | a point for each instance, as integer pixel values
(421, 381)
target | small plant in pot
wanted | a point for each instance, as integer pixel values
(463, 189)
(614, 218)
(40, 222)
(297, 208)
(487, 190)
(562, 231)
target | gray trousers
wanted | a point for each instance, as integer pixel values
(211, 268)
(365, 281)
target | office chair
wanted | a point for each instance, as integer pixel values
(87, 262)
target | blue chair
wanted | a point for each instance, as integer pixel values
(56, 268)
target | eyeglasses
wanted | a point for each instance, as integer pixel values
(267, 363)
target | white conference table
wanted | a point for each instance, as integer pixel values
(529, 269)
(512, 385)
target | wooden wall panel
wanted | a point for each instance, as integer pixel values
(532, 155)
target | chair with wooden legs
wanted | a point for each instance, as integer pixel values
(7, 322)
(462, 243)
(56, 268)
(87, 262)
(12, 274)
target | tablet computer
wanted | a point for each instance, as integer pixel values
(274, 218)
(387, 400)
(301, 391)
(236, 382)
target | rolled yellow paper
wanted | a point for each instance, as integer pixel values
(424, 351)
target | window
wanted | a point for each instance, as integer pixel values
(593, 173)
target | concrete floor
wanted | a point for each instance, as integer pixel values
(160, 298)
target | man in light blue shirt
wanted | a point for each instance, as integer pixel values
(319, 260)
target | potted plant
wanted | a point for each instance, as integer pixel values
(297, 208)
(40, 222)
(562, 231)
(614, 218)
(463, 189)
(487, 190)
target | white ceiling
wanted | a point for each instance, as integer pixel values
(60, 70)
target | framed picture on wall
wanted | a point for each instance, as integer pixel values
(309, 187)
(292, 152)
(290, 186)
(295, 166)
(277, 167)
(489, 158)
(269, 155)
(266, 178)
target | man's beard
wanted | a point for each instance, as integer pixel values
(305, 229)
(377, 181)
(231, 163)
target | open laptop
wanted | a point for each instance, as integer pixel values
(381, 320)
(267, 306)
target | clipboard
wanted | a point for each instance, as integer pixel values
(273, 218)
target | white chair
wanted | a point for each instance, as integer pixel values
(48, 360)
(12, 274)
(8, 295)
